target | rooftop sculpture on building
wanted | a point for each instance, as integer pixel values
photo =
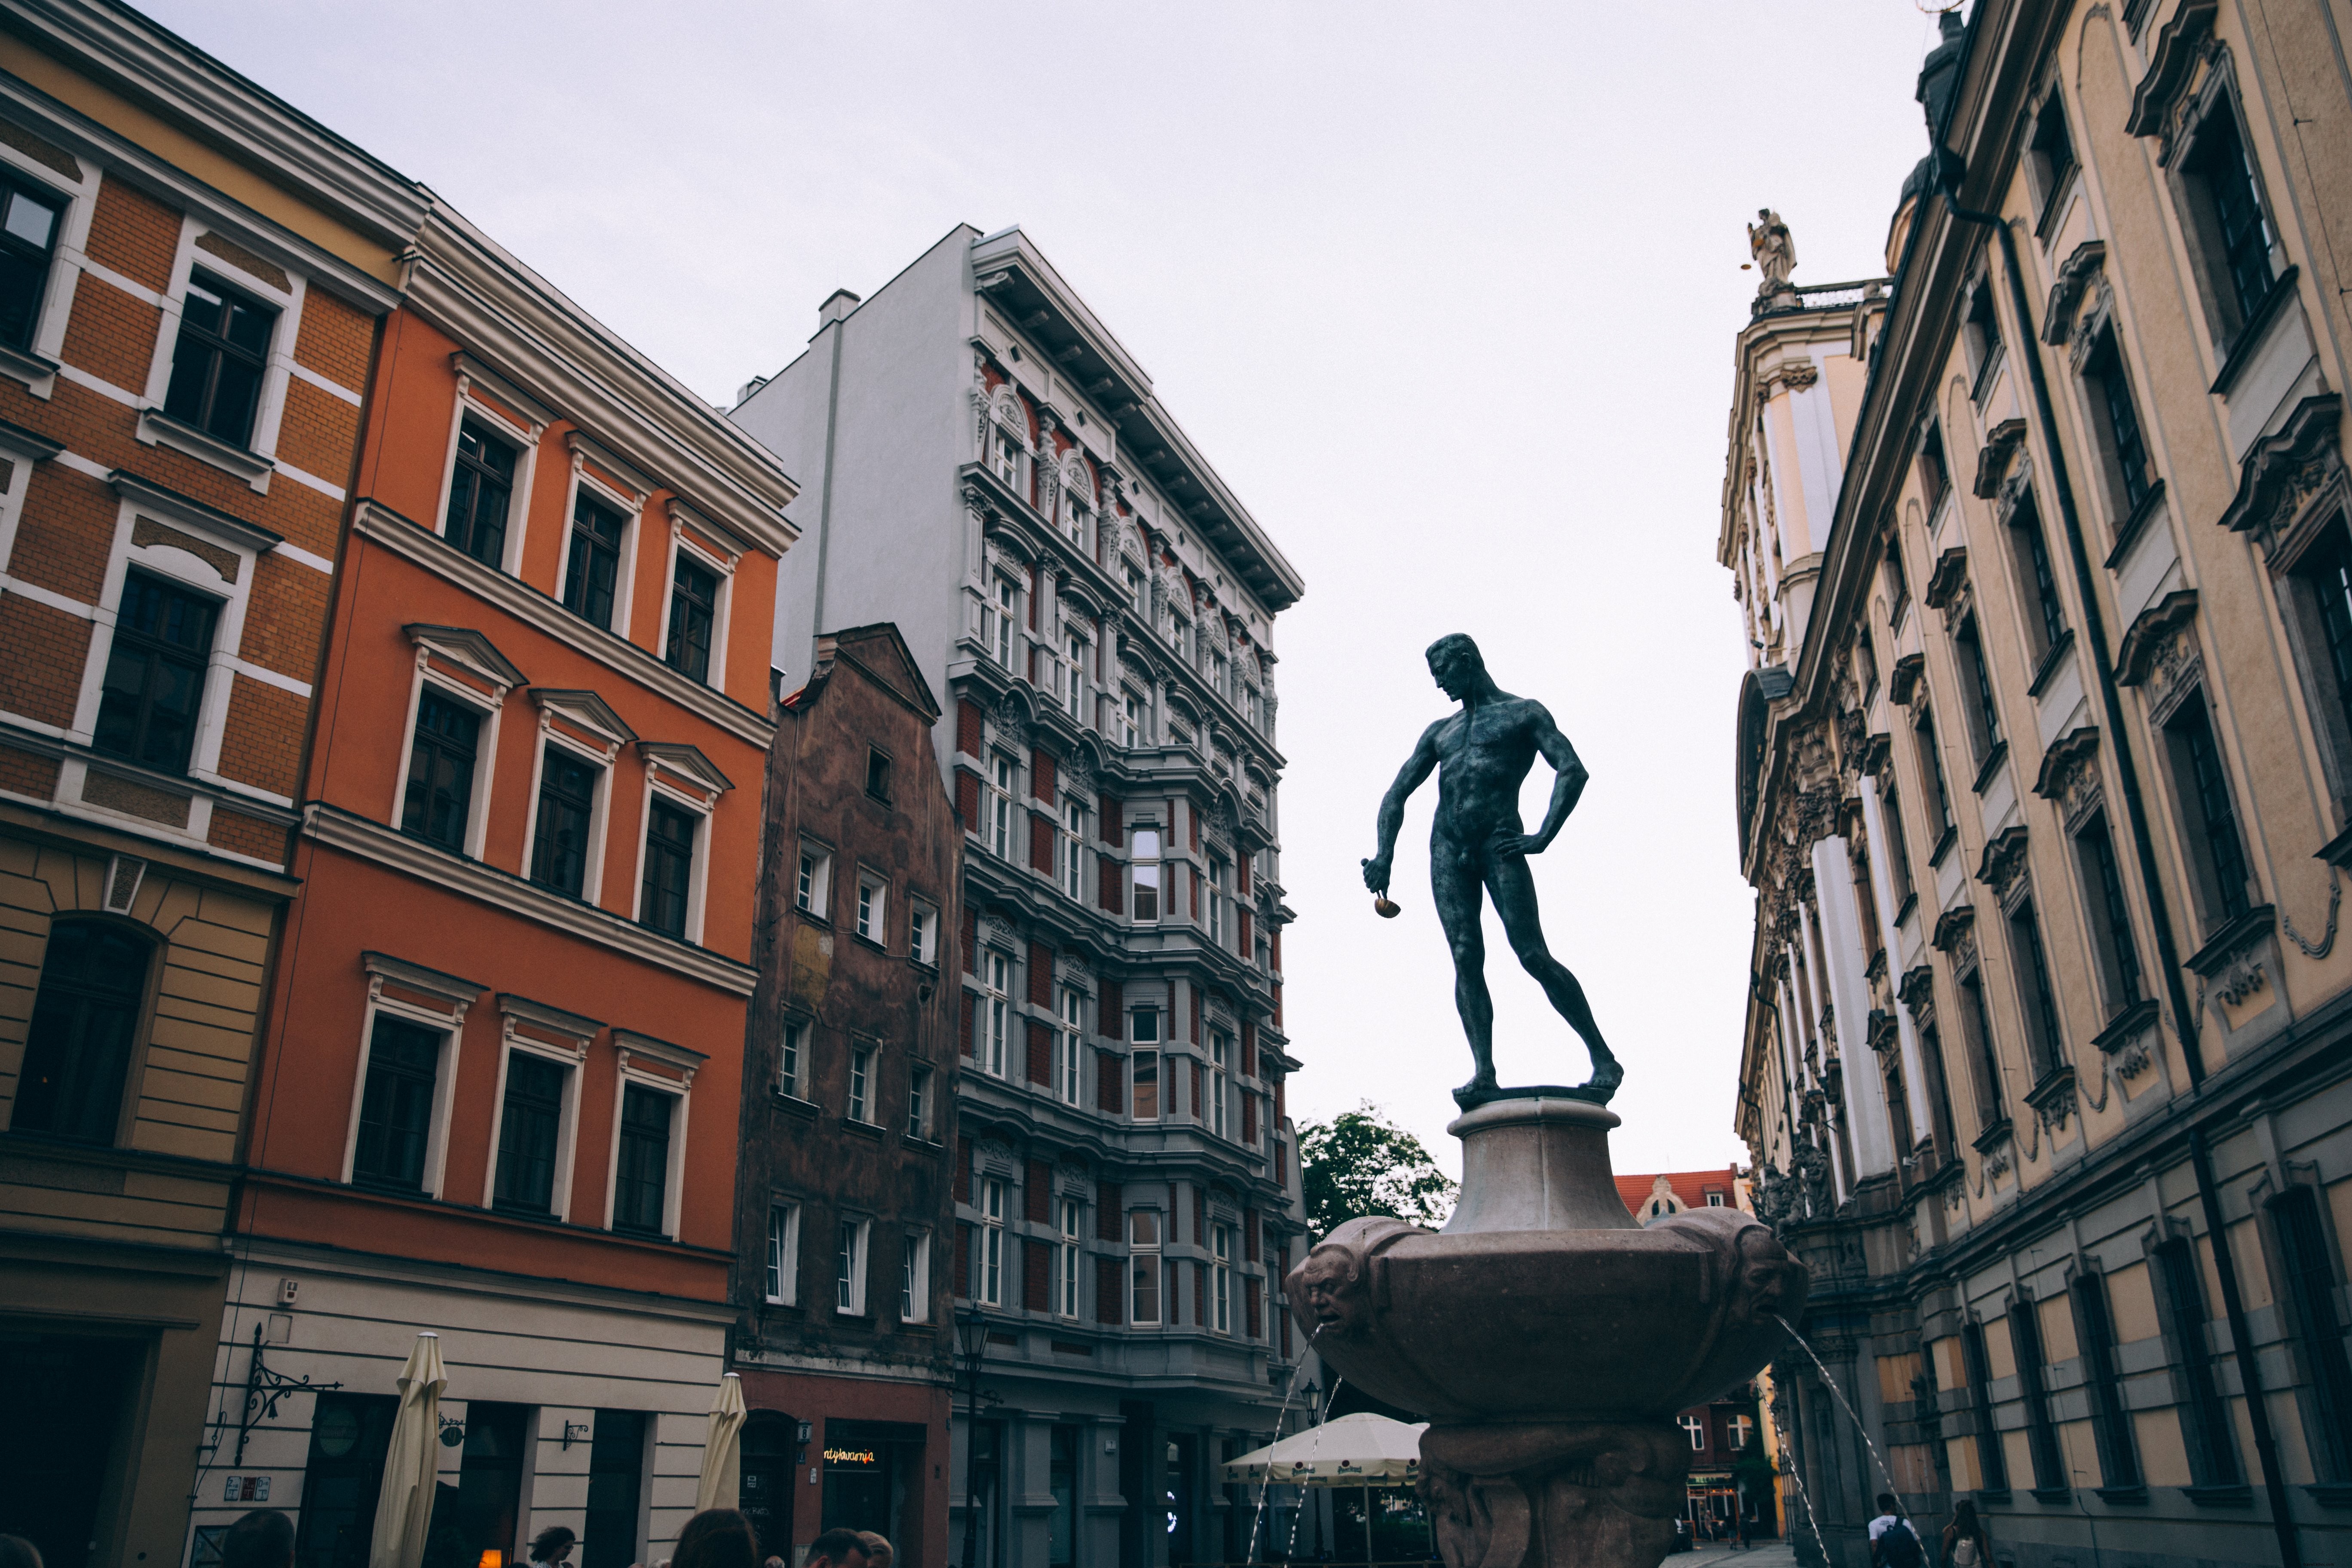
(1775, 253)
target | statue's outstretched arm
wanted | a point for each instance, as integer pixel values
(1417, 768)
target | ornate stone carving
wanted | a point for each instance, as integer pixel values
(2237, 978)
(2285, 474)
(2185, 51)
(2070, 774)
(2160, 650)
(1530, 1495)
(1949, 577)
(2004, 860)
(2076, 274)
(1997, 1163)
(1992, 461)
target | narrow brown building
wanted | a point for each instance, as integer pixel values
(844, 1335)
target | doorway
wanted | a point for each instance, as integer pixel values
(768, 1473)
(64, 1403)
(349, 1435)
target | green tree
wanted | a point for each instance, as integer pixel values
(1357, 1164)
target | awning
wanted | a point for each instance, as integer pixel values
(1359, 1450)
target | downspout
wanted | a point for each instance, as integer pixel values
(825, 494)
(2128, 770)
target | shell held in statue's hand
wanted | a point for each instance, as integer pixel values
(1382, 908)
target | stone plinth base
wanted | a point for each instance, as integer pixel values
(1554, 1494)
(1536, 1164)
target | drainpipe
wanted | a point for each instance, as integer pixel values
(2127, 770)
(831, 316)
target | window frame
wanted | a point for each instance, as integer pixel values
(914, 1278)
(569, 1061)
(918, 1102)
(813, 882)
(1154, 1047)
(2228, 315)
(2052, 180)
(922, 931)
(792, 1060)
(853, 1239)
(999, 787)
(674, 1178)
(988, 1290)
(1142, 1252)
(14, 179)
(684, 549)
(1217, 1119)
(212, 342)
(493, 706)
(1138, 863)
(600, 762)
(1068, 1243)
(863, 1060)
(2218, 903)
(514, 417)
(1220, 1284)
(995, 1012)
(781, 1276)
(201, 666)
(1069, 1036)
(140, 1027)
(614, 484)
(872, 919)
(448, 1020)
(1072, 832)
(697, 811)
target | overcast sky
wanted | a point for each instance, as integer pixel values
(1447, 294)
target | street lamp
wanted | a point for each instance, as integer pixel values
(971, 1337)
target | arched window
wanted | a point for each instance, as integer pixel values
(79, 1048)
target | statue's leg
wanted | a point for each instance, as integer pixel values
(1453, 882)
(1513, 886)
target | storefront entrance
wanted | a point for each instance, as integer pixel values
(768, 1477)
(64, 1405)
(869, 1467)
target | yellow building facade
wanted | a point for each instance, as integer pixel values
(2043, 544)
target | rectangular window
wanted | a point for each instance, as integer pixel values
(915, 1279)
(2042, 1438)
(1217, 899)
(922, 932)
(2118, 417)
(641, 1183)
(154, 686)
(918, 1103)
(2311, 1285)
(2322, 586)
(1976, 1024)
(1065, 1282)
(1220, 1288)
(1993, 1460)
(2205, 1423)
(567, 804)
(849, 1266)
(996, 1013)
(1935, 475)
(217, 365)
(991, 1243)
(999, 820)
(2047, 623)
(1074, 851)
(1899, 849)
(1143, 1263)
(2045, 1041)
(481, 489)
(1984, 334)
(1073, 1046)
(788, 1058)
(1074, 673)
(2103, 884)
(529, 1123)
(1131, 721)
(669, 868)
(873, 899)
(878, 775)
(616, 1476)
(1220, 1052)
(2216, 852)
(693, 612)
(1144, 1023)
(1074, 521)
(997, 617)
(396, 1104)
(594, 569)
(813, 887)
(861, 1084)
(783, 1286)
(1931, 768)
(1004, 455)
(1144, 870)
(2111, 1422)
(2227, 209)
(440, 795)
(29, 234)
(77, 1046)
(1976, 692)
(2051, 155)
(1897, 583)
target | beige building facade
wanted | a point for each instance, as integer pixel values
(2043, 544)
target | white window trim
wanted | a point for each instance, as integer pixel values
(551, 705)
(1221, 1286)
(788, 1253)
(989, 1287)
(459, 995)
(800, 1071)
(630, 1046)
(1070, 1248)
(820, 898)
(722, 608)
(630, 503)
(491, 705)
(874, 927)
(1070, 1045)
(278, 363)
(853, 1284)
(571, 1057)
(998, 810)
(698, 885)
(1157, 1250)
(918, 1099)
(994, 1046)
(871, 1057)
(471, 373)
(925, 950)
(915, 1303)
(68, 261)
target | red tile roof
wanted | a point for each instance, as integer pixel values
(1689, 1187)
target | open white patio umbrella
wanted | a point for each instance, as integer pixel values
(404, 1507)
(1359, 1450)
(722, 1450)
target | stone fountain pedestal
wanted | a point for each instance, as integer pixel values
(1548, 1339)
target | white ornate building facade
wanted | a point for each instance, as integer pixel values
(2044, 546)
(988, 470)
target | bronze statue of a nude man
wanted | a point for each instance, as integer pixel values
(1482, 756)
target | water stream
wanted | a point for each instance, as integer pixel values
(1289, 1395)
(1290, 1548)
(1795, 1473)
(1843, 1403)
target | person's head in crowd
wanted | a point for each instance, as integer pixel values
(879, 1553)
(717, 1538)
(16, 1552)
(262, 1538)
(838, 1548)
(553, 1544)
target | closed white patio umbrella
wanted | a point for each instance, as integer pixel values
(722, 1450)
(404, 1507)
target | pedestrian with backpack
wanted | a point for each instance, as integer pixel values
(1893, 1542)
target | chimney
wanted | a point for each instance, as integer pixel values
(743, 393)
(838, 304)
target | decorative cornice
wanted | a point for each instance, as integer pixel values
(2179, 44)
(470, 650)
(1993, 460)
(2070, 750)
(2153, 628)
(2004, 857)
(1950, 574)
(2283, 471)
(2074, 275)
(189, 513)
(1904, 683)
(1952, 925)
(459, 994)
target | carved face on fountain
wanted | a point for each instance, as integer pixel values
(1333, 1285)
(1767, 1277)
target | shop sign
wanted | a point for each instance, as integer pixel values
(849, 1456)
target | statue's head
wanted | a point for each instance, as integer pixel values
(1454, 663)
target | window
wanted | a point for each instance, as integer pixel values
(155, 686)
(480, 491)
(1221, 675)
(1742, 1432)
(669, 866)
(998, 822)
(996, 1011)
(1976, 692)
(1217, 901)
(28, 235)
(996, 621)
(2311, 1285)
(1898, 584)
(873, 898)
(861, 1084)
(1715, 1200)
(783, 1285)
(1144, 868)
(812, 888)
(1131, 721)
(878, 775)
(1696, 1430)
(922, 932)
(217, 365)
(2046, 624)
(77, 1046)
(590, 576)
(2111, 1423)
(2116, 418)
(693, 612)
(2319, 591)
(1074, 519)
(1992, 1461)
(1898, 852)
(2232, 232)
(1146, 1023)
(2204, 1418)
(1064, 1282)
(440, 794)
(2051, 155)
(1073, 1046)
(1143, 1266)
(1935, 475)
(567, 803)
(915, 1279)
(1004, 455)
(849, 1264)
(1976, 1024)
(1074, 674)
(641, 1184)
(2041, 1437)
(529, 1123)
(615, 1489)
(2217, 855)
(1221, 1054)
(918, 1103)
(1931, 768)
(1220, 1284)
(992, 1242)
(2044, 1040)
(1073, 847)
(404, 1069)
(790, 1040)
(2116, 954)
(1982, 333)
